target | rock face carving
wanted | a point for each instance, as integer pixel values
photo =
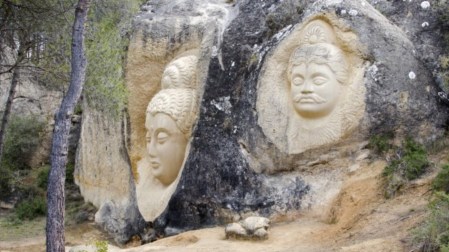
(324, 86)
(169, 119)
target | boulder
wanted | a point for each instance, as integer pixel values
(252, 228)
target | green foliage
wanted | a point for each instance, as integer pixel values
(100, 246)
(69, 170)
(408, 163)
(78, 109)
(108, 27)
(31, 208)
(379, 143)
(22, 137)
(6, 180)
(441, 182)
(42, 177)
(433, 234)
(412, 163)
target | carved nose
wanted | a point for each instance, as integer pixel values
(307, 88)
(151, 149)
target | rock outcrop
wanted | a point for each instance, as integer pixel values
(262, 145)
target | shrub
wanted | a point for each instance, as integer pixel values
(5, 180)
(433, 234)
(70, 168)
(412, 163)
(101, 246)
(31, 208)
(42, 177)
(22, 137)
(441, 182)
(78, 109)
(379, 143)
(409, 162)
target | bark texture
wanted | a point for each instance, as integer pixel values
(58, 158)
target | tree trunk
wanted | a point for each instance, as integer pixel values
(7, 113)
(59, 152)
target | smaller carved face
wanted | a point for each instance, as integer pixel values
(315, 89)
(166, 146)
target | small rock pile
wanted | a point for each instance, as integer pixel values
(252, 228)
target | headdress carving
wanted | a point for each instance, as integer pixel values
(178, 96)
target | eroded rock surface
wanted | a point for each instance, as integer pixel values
(243, 158)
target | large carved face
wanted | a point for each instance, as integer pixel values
(315, 89)
(166, 146)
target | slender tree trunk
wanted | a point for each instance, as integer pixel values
(7, 113)
(59, 152)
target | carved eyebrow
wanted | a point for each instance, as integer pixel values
(319, 74)
(297, 75)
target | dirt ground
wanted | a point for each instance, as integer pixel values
(360, 219)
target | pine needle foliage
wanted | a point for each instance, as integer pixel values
(107, 39)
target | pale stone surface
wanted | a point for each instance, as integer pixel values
(315, 98)
(252, 228)
(169, 119)
(254, 223)
(234, 230)
(167, 72)
(104, 176)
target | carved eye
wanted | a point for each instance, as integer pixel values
(319, 80)
(148, 137)
(162, 137)
(298, 81)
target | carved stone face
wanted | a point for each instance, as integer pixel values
(315, 89)
(166, 146)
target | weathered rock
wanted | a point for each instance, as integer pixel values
(103, 173)
(252, 224)
(233, 166)
(245, 156)
(260, 234)
(236, 231)
(252, 228)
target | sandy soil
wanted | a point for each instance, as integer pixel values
(360, 219)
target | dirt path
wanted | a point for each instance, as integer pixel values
(360, 219)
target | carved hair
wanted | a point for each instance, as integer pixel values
(177, 98)
(322, 54)
(180, 73)
(179, 104)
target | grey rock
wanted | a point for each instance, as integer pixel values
(235, 230)
(232, 168)
(252, 228)
(260, 234)
(254, 223)
(121, 221)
